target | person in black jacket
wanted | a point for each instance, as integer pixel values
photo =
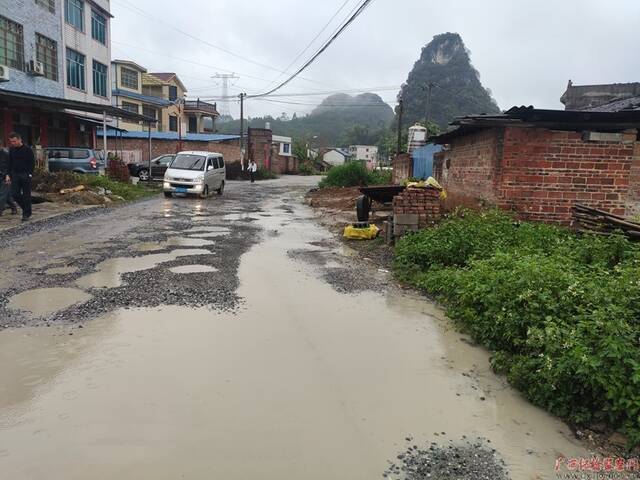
(21, 165)
(5, 187)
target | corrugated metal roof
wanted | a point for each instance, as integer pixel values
(191, 137)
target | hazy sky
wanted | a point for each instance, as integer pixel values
(525, 50)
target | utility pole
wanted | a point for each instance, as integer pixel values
(242, 95)
(400, 112)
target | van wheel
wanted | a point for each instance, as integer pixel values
(220, 191)
(205, 192)
(168, 195)
(143, 175)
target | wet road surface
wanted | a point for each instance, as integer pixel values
(234, 338)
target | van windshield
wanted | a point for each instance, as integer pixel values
(188, 162)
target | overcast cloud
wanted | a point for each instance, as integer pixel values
(524, 50)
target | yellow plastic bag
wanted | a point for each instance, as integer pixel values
(353, 233)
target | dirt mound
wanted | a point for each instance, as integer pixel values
(335, 198)
(47, 182)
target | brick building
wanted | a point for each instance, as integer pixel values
(134, 146)
(539, 163)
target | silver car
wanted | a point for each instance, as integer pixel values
(195, 173)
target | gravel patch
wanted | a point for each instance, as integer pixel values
(462, 460)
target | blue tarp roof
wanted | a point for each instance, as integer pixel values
(193, 137)
(160, 102)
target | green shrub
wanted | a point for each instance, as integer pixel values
(561, 311)
(354, 174)
(306, 168)
(125, 190)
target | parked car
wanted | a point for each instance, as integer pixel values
(72, 159)
(196, 173)
(158, 168)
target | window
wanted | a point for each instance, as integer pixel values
(75, 69)
(74, 13)
(98, 27)
(173, 93)
(79, 154)
(48, 4)
(211, 164)
(130, 107)
(129, 78)
(173, 123)
(11, 44)
(286, 148)
(99, 79)
(221, 160)
(166, 160)
(47, 54)
(149, 111)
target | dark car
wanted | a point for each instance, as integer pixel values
(75, 159)
(159, 165)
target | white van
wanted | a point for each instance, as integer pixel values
(195, 173)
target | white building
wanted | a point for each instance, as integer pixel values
(336, 156)
(284, 145)
(366, 153)
(86, 38)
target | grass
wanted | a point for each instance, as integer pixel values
(561, 311)
(128, 191)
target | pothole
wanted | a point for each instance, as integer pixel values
(110, 271)
(46, 301)
(185, 269)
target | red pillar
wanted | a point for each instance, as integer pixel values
(73, 133)
(44, 131)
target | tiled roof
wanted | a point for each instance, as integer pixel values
(632, 103)
(164, 77)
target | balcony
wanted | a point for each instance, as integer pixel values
(201, 107)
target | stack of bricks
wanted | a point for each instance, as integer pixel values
(423, 202)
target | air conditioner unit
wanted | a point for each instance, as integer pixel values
(35, 68)
(4, 73)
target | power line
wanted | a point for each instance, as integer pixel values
(145, 14)
(355, 15)
(327, 92)
(310, 43)
(327, 104)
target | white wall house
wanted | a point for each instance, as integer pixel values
(335, 156)
(367, 153)
(284, 145)
(86, 38)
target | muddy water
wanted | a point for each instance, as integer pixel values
(193, 269)
(109, 272)
(303, 383)
(45, 301)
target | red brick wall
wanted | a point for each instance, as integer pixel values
(230, 150)
(401, 168)
(546, 172)
(540, 173)
(281, 164)
(633, 196)
(259, 146)
(470, 170)
(424, 202)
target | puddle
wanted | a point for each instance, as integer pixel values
(46, 301)
(193, 269)
(62, 271)
(187, 242)
(223, 230)
(110, 271)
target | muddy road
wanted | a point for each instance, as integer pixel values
(235, 338)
